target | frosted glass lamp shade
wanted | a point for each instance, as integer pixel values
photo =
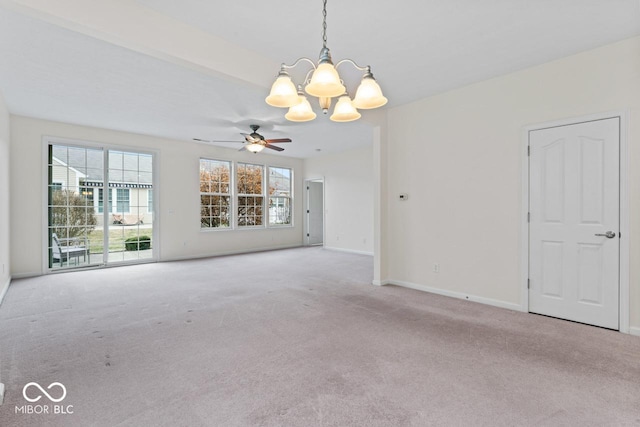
(325, 82)
(301, 112)
(369, 95)
(255, 148)
(345, 111)
(283, 92)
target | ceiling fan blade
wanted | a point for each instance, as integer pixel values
(215, 140)
(273, 147)
(278, 140)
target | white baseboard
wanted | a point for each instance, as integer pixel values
(1, 393)
(380, 282)
(350, 251)
(453, 294)
(3, 291)
(26, 275)
(227, 253)
(634, 331)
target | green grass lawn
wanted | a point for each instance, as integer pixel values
(117, 237)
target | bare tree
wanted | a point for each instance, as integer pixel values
(71, 214)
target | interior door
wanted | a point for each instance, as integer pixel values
(574, 222)
(315, 212)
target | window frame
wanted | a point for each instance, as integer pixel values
(100, 207)
(230, 195)
(234, 195)
(127, 191)
(289, 198)
(262, 195)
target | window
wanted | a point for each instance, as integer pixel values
(87, 193)
(215, 194)
(122, 200)
(101, 200)
(250, 195)
(279, 196)
(150, 201)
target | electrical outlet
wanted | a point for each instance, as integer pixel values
(436, 268)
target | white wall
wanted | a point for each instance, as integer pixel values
(463, 174)
(348, 187)
(178, 216)
(5, 270)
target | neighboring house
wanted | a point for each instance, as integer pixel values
(130, 192)
(279, 196)
(64, 176)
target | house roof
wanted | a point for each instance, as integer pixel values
(125, 168)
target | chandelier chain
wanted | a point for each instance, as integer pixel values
(324, 24)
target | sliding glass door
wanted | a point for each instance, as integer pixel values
(130, 220)
(100, 206)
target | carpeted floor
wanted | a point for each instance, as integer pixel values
(298, 338)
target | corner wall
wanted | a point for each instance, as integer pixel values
(178, 210)
(5, 135)
(463, 174)
(348, 188)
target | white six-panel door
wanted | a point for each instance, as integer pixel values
(574, 204)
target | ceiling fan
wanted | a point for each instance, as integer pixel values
(254, 141)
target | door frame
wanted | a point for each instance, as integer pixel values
(306, 211)
(624, 241)
(87, 143)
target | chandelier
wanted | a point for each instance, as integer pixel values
(325, 83)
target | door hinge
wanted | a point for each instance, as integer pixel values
(307, 210)
(619, 234)
(528, 216)
(307, 234)
(308, 188)
(528, 283)
(528, 150)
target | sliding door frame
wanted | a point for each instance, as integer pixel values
(44, 225)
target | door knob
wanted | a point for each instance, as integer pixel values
(608, 234)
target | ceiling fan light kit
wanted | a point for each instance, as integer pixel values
(255, 142)
(325, 83)
(254, 147)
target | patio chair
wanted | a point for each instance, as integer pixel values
(62, 253)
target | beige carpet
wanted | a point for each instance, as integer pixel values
(298, 338)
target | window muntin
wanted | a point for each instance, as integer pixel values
(215, 194)
(279, 196)
(250, 184)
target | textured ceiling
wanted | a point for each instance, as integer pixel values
(60, 69)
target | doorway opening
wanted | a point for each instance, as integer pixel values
(315, 212)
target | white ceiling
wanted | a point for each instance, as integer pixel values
(56, 68)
